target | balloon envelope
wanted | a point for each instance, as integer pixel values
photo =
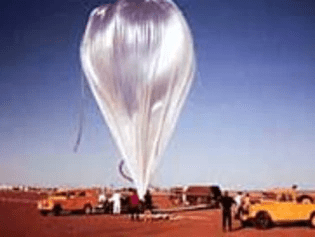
(138, 58)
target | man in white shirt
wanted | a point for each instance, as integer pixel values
(116, 200)
(238, 200)
(102, 201)
(102, 198)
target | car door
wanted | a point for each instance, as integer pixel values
(302, 211)
(81, 200)
(61, 199)
(287, 210)
(70, 201)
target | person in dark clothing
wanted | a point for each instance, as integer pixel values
(148, 201)
(227, 203)
(134, 205)
(147, 207)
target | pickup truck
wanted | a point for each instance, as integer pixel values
(84, 201)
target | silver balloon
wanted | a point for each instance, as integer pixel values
(138, 57)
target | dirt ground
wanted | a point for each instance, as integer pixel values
(19, 217)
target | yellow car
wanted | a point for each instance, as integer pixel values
(284, 209)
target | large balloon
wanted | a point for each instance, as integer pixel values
(138, 58)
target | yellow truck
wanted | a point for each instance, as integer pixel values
(70, 201)
(284, 208)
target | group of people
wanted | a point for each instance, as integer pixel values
(241, 203)
(132, 201)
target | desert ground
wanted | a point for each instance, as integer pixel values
(19, 217)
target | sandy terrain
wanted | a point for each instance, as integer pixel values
(19, 217)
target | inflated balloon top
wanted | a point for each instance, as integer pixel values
(138, 58)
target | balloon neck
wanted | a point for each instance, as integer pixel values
(141, 197)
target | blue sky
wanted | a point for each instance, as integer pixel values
(249, 120)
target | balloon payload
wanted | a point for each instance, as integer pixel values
(139, 61)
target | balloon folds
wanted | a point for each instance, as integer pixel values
(138, 58)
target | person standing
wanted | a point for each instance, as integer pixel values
(148, 201)
(227, 203)
(116, 200)
(246, 203)
(238, 200)
(293, 192)
(102, 200)
(148, 206)
(134, 205)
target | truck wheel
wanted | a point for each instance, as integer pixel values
(244, 224)
(263, 221)
(312, 221)
(56, 211)
(87, 209)
(44, 213)
(243, 218)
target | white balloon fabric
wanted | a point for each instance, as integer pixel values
(139, 61)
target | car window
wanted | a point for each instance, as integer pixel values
(285, 198)
(62, 194)
(71, 194)
(282, 198)
(81, 194)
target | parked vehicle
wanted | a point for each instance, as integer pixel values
(177, 195)
(84, 201)
(281, 208)
(203, 195)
